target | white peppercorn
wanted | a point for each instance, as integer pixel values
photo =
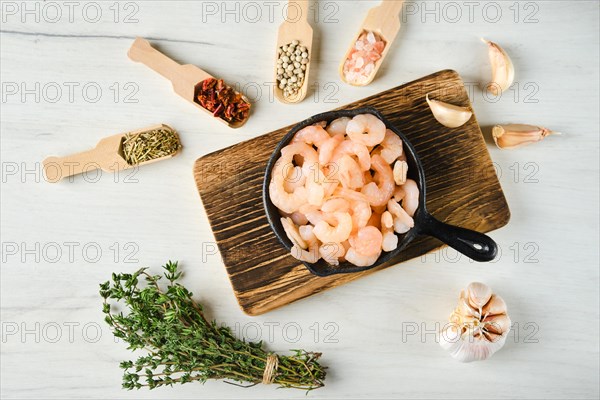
(292, 61)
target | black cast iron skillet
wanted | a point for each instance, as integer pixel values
(473, 244)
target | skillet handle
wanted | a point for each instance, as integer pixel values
(472, 244)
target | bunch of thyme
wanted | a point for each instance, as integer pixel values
(183, 346)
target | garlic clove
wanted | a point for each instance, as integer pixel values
(495, 306)
(449, 115)
(516, 135)
(455, 318)
(497, 324)
(400, 170)
(503, 71)
(478, 294)
(464, 308)
(461, 319)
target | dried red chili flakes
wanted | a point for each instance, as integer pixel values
(220, 99)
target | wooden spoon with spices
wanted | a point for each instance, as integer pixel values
(186, 79)
(295, 28)
(110, 155)
(383, 20)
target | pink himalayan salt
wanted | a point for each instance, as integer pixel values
(360, 63)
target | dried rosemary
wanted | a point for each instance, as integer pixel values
(183, 346)
(146, 146)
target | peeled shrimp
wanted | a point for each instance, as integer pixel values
(399, 194)
(379, 209)
(327, 233)
(366, 129)
(346, 245)
(402, 221)
(307, 234)
(390, 240)
(359, 260)
(367, 241)
(350, 194)
(315, 192)
(410, 202)
(314, 184)
(348, 147)
(387, 220)
(331, 252)
(328, 147)
(283, 168)
(350, 174)
(298, 218)
(310, 256)
(337, 127)
(375, 220)
(292, 232)
(329, 185)
(314, 215)
(391, 147)
(308, 154)
(313, 134)
(361, 213)
(294, 179)
(378, 195)
(286, 202)
(400, 226)
(335, 204)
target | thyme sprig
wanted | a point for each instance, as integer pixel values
(182, 345)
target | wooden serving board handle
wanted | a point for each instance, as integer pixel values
(57, 168)
(141, 51)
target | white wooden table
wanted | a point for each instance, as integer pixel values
(67, 82)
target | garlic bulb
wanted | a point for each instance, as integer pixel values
(478, 326)
(516, 135)
(503, 71)
(449, 115)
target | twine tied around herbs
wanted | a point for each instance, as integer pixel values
(270, 369)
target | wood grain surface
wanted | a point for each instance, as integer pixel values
(462, 189)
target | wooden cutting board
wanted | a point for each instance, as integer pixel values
(462, 189)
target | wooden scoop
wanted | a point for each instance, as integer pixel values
(184, 78)
(295, 27)
(107, 156)
(383, 20)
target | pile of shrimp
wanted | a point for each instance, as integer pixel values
(342, 191)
